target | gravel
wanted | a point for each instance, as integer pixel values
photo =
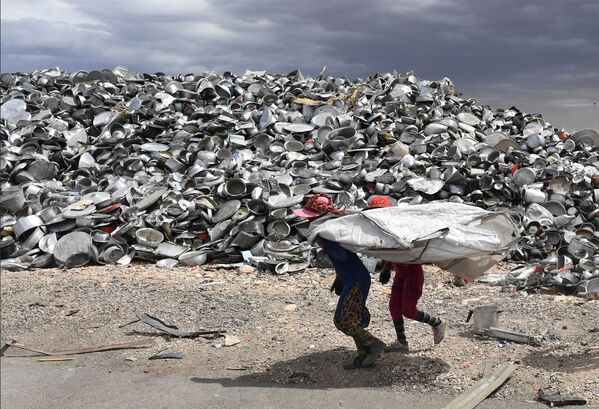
(61, 309)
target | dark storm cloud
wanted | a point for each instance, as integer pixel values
(539, 55)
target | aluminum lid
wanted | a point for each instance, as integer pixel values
(226, 210)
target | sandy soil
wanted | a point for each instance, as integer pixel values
(284, 324)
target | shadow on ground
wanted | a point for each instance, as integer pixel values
(322, 370)
(553, 361)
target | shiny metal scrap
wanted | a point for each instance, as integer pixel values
(208, 167)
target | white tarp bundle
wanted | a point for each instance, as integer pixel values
(463, 239)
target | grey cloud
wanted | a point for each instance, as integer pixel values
(540, 55)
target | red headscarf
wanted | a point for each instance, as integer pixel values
(318, 205)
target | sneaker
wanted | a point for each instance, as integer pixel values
(439, 332)
(355, 363)
(398, 345)
(375, 350)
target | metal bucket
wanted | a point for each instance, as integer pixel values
(485, 317)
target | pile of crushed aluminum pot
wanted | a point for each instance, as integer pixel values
(112, 166)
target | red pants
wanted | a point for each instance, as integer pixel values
(406, 290)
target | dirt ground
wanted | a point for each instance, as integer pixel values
(284, 325)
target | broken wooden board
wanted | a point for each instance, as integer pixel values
(87, 350)
(55, 359)
(483, 388)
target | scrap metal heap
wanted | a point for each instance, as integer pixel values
(110, 166)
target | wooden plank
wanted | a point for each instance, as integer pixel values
(87, 350)
(488, 369)
(483, 388)
(109, 347)
(14, 343)
(55, 359)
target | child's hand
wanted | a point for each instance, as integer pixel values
(385, 276)
(337, 286)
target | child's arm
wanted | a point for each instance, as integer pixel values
(385, 275)
(337, 285)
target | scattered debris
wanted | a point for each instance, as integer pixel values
(213, 283)
(501, 344)
(93, 326)
(556, 400)
(231, 340)
(87, 350)
(72, 312)
(171, 355)
(563, 366)
(554, 274)
(220, 266)
(246, 269)
(173, 330)
(290, 307)
(55, 359)
(513, 336)
(129, 323)
(483, 388)
(486, 319)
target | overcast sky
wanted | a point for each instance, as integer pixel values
(539, 55)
